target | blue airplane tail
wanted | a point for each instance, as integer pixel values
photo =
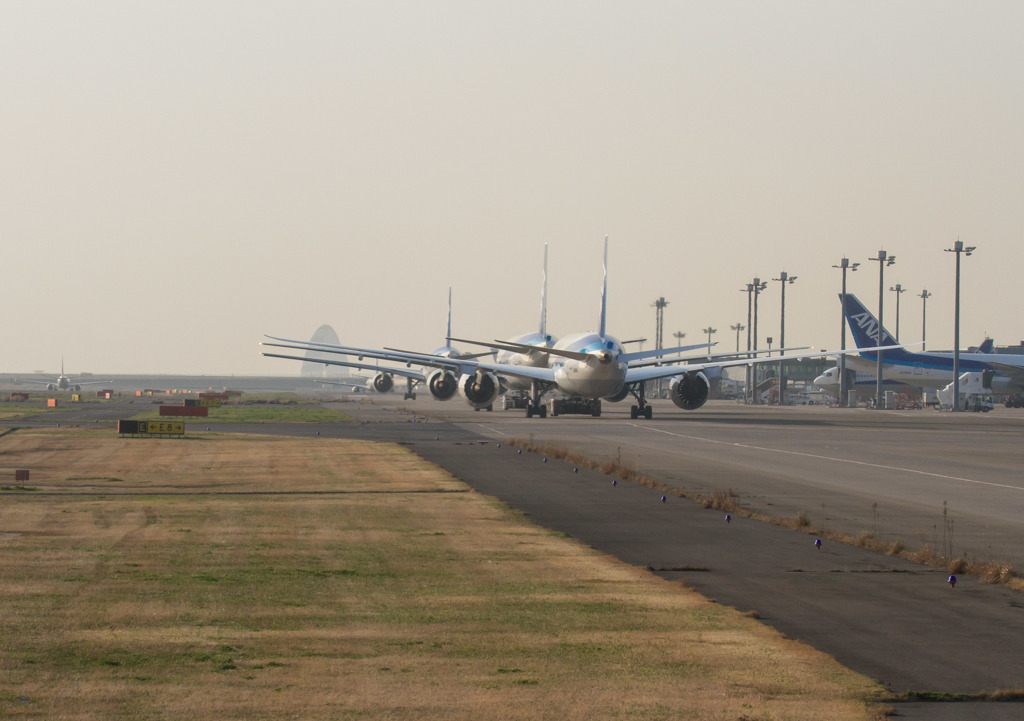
(864, 327)
(986, 346)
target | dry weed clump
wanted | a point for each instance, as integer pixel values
(722, 501)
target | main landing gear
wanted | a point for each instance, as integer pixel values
(534, 405)
(643, 410)
(410, 390)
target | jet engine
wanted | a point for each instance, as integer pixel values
(689, 391)
(382, 382)
(76, 389)
(479, 389)
(51, 387)
(442, 384)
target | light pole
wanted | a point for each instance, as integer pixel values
(958, 248)
(785, 279)
(659, 326)
(883, 260)
(738, 327)
(844, 265)
(925, 295)
(899, 290)
(748, 396)
(709, 330)
(758, 286)
(679, 337)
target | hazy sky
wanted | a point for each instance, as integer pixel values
(177, 179)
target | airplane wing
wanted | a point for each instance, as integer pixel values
(661, 352)
(650, 373)
(714, 356)
(328, 381)
(71, 382)
(400, 372)
(423, 359)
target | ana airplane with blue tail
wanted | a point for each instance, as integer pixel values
(927, 369)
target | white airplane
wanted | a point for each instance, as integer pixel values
(926, 369)
(63, 383)
(353, 387)
(530, 351)
(865, 383)
(590, 365)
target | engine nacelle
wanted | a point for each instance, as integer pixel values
(620, 396)
(76, 389)
(479, 389)
(442, 384)
(689, 391)
(382, 382)
(51, 387)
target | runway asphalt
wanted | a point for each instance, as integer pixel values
(890, 619)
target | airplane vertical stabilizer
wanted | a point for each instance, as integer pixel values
(864, 327)
(544, 298)
(604, 291)
(448, 335)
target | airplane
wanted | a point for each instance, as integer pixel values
(63, 383)
(353, 387)
(865, 383)
(590, 365)
(928, 369)
(530, 351)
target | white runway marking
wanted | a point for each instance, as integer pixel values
(830, 458)
(491, 429)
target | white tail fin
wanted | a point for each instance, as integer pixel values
(544, 298)
(604, 290)
(448, 335)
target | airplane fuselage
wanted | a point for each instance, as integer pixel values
(936, 372)
(599, 376)
(534, 359)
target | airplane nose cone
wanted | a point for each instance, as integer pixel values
(604, 357)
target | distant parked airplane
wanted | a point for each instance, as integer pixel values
(927, 369)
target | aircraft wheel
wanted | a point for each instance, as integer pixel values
(543, 410)
(648, 413)
(633, 411)
(529, 410)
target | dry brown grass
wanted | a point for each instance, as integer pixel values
(231, 577)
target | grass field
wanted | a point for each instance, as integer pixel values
(240, 577)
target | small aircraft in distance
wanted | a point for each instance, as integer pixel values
(63, 383)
